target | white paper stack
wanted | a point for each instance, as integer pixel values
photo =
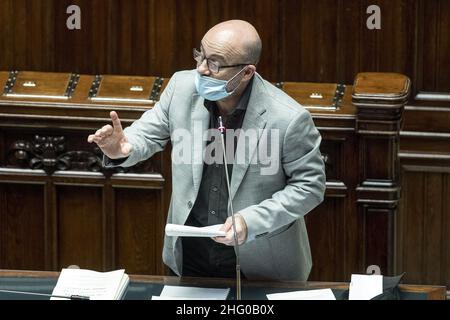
(93, 284)
(177, 230)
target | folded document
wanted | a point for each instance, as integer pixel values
(177, 230)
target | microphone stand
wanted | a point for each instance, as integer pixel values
(71, 297)
(230, 207)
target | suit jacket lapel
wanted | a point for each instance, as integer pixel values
(199, 126)
(253, 121)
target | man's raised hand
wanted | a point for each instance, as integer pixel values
(111, 139)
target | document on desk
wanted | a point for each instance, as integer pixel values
(365, 287)
(319, 294)
(93, 284)
(177, 230)
(192, 293)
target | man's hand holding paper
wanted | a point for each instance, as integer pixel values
(241, 230)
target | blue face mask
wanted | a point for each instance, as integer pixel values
(213, 89)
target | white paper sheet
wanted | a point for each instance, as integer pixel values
(319, 294)
(365, 287)
(192, 293)
(176, 230)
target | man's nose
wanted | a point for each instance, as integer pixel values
(203, 68)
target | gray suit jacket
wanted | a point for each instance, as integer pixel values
(274, 204)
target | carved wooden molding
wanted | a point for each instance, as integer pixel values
(49, 154)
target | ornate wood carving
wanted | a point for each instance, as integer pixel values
(49, 154)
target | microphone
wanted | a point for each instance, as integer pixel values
(71, 297)
(230, 207)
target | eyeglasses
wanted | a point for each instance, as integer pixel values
(213, 66)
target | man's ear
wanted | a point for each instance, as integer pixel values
(249, 72)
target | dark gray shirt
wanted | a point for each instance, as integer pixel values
(203, 256)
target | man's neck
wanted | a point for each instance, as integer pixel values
(228, 105)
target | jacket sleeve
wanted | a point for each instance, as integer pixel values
(305, 181)
(150, 133)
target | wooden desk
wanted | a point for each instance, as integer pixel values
(252, 290)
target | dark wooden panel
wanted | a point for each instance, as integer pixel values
(427, 119)
(309, 41)
(434, 236)
(138, 230)
(377, 156)
(445, 269)
(378, 239)
(137, 37)
(326, 231)
(423, 226)
(85, 49)
(435, 21)
(24, 34)
(411, 221)
(321, 41)
(22, 222)
(386, 50)
(80, 227)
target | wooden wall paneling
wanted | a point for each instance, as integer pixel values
(426, 120)
(6, 41)
(443, 76)
(445, 259)
(265, 16)
(22, 219)
(411, 246)
(353, 221)
(433, 225)
(51, 226)
(334, 227)
(308, 41)
(385, 50)
(378, 239)
(348, 51)
(108, 225)
(432, 81)
(84, 50)
(25, 34)
(80, 227)
(379, 168)
(194, 18)
(326, 231)
(136, 224)
(436, 46)
(162, 38)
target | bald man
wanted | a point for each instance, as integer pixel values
(275, 169)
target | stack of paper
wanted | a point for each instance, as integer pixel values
(92, 284)
(319, 294)
(176, 230)
(191, 293)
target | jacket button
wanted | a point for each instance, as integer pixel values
(189, 204)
